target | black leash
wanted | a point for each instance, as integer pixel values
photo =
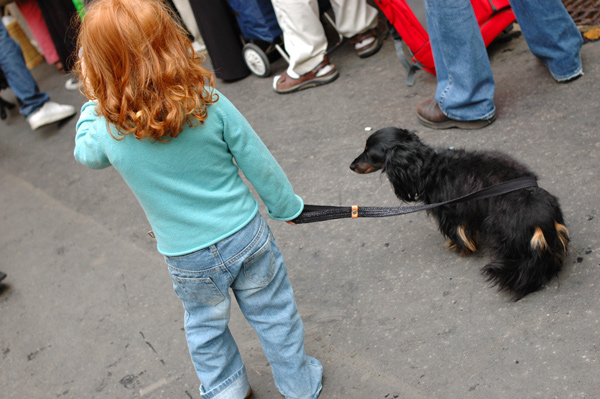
(319, 213)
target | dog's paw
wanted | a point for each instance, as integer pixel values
(464, 252)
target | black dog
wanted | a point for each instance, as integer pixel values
(524, 229)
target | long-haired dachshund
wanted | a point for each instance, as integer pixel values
(524, 229)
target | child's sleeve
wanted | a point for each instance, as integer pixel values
(87, 146)
(259, 166)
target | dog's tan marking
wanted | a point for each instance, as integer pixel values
(462, 234)
(451, 245)
(538, 241)
(563, 234)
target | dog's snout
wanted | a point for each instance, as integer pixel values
(355, 164)
(363, 167)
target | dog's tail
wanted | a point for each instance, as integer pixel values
(543, 260)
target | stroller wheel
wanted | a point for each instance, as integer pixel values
(256, 60)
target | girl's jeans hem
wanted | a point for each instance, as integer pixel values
(234, 387)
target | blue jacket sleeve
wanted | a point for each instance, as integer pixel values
(259, 165)
(90, 129)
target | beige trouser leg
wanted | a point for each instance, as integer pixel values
(303, 35)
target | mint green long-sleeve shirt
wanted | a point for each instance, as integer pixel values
(190, 187)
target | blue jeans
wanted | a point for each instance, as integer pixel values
(465, 89)
(18, 76)
(249, 263)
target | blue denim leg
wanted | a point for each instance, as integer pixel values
(551, 34)
(18, 76)
(201, 281)
(250, 263)
(465, 89)
(266, 298)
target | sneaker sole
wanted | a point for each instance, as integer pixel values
(311, 83)
(450, 124)
(55, 118)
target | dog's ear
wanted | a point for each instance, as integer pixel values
(405, 166)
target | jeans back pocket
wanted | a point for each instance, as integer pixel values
(195, 288)
(259, 267)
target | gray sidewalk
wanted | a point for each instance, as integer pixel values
(88, 311)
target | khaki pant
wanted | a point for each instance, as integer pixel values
(303, 34)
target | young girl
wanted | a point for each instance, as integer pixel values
(156, 117)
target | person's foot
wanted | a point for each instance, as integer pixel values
(431, 116)
(72, 84)
(50, 112)
(324, 73)
(4, 106)
(249, 394)
(368, 43)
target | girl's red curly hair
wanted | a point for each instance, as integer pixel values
(141, 69)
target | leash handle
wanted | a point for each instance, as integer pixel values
(319, 213)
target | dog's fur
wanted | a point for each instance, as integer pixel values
(524, 229)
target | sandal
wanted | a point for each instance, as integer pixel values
(324, 73)
(368, 43)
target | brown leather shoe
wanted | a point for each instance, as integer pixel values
(378, 33)
(285, 84)
(249, 394)
(430, 115)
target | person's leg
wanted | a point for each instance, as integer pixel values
(551, 35)
(18, 76)
(306, 43)
(37, 25)
(465, 89)
(303, 35)
(201, 281)
(266, 298)
(353, 16)
(357, 20)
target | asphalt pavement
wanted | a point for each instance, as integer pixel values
(88, 310)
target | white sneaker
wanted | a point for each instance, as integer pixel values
(72, 84)
(198, 47)
(49, 113)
